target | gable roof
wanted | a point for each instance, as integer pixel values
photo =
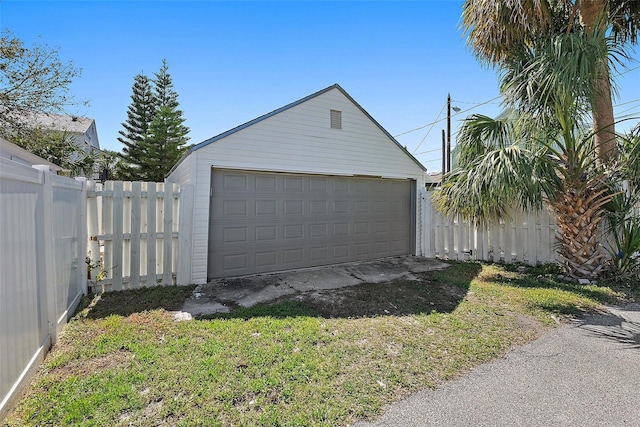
(287, 107)
(74, 124)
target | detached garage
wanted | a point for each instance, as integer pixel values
(316, 182)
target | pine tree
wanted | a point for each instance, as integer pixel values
(166, 137)
(139, 116)
(154, 134)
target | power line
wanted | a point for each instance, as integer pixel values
(628, 102)
(430, 129)
(627, 71)
(627, 110)
(423, 126)
(444, 118)
(428, 151)
(490, 101)
(469, 102)
(432, 160)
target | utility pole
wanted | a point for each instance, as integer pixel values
(456, 109)
(448, 132)
(444, 153)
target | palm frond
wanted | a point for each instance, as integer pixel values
(483, 23)
(480, 133)
(490, 186)
(557, 73)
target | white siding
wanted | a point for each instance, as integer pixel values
(298, 140)
(183, 173)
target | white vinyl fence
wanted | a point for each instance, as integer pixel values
(527, 237)
(133, 231)
(42, 266)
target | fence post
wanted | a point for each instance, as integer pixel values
(82, 237)
(117, 231)
(167, 234)
(151, 233)
(93, 230)
(427, 225)
(185, 235)
(136, 207)
(45, 256)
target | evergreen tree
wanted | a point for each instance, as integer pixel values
(154, 134)
(139, 116)
(166, 137)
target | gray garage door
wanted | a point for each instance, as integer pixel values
(262, 222)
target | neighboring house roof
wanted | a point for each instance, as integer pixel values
(434, 178)
(286, 107)
(74, 124)
(84, 127)
(11, 151)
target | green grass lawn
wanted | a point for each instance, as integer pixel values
(305, 361)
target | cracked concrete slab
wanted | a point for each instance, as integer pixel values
(221, 294)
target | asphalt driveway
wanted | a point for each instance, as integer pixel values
(586, 373)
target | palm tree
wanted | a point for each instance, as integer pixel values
(498, 28)
(538, 152)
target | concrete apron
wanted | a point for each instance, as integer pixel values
(218, 296)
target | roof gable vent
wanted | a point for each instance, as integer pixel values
(336, 119)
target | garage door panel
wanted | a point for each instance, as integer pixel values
(237, 261)
(318, 230)
(235, 182)
(340, 207)
(318, 207)
(266, 233)
(293, 256)
(293, 207)
(318, 185)
(262, 222)
(235, 235)
(235, 208)
(266, 207)
(265, 183)
(294, 231)
(266, 259)
(319, 254)
(293, 184)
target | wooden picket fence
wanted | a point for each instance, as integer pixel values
(133, 234)
(528, 237)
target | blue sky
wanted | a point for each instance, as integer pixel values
(234, 61)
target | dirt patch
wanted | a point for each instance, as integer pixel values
(128, 302)
(403, 296)
(82, 368)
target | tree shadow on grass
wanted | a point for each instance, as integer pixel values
(439, 291)
(597, 293)
(125, 303)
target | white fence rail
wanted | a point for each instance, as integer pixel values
(42, 267)
(527, 237)
(133, 231)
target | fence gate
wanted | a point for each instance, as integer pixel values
(133, 234)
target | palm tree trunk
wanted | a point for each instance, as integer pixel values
(578, 217)
(603, 120)
(592, 13)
